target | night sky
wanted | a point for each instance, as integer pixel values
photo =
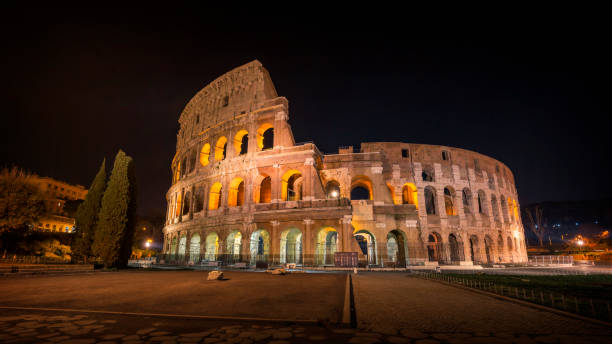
(79, 85)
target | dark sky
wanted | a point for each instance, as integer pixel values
(79, 85)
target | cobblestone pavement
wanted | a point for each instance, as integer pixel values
(395, 303)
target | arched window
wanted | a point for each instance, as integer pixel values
(187, 203)
(236, 193)
(179, 205)
(205, 154)
(214, 199)
(504, 208)
(198, 199)
(220, 148)
(361, 188)
(430, 201)
(332, 189)
(409, 194)
(265, 136)
(448, 201)
(241, 142)
(466, 196)
(481, 202)
(427, 174)
(265, 190)
(291, 186)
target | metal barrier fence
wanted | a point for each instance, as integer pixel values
(34, 260)
(588, 307)
(550, 260)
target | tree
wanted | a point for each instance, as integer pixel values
(87, 214)
(115, 227)
(22, 202)
(537, 223)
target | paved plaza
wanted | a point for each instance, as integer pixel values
(182, 307)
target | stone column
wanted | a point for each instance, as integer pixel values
(275, 242)
(276, 184)
(347, 235)
(187, 244)
(378, 185)
(307, 247)
(307, 189)
(180, 217)
(280, 129)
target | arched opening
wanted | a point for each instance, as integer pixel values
(233, 243)
(212, 247)
(221, 148)
(367, 244)
(265, 190)
(236, 193)
(260, 246)
(214, 199)
(177, 175)
(173, 249)
(332, 189)
(179, 205)
(510, 248)
(396, 247)
(489, 249)
(481, 202)
(241, 142)
(187, 203)
(427, 174)
(361, 188)
(466, 196)
(515, 211)
(409, 194)
(205, 155)
(430, 200)
(474, 249)
(456, 249)
(327, 239)
(500, 244)
(194, 248)
(182, 247)
(504, 208)
(392, 193)
(198, 199)
(265, 136)
(291, 186)
(449, 194)
(494, 208)
(291, 246)
(434, 247)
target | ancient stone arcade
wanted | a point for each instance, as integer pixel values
(244, 193)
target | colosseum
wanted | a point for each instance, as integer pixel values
(245, 194)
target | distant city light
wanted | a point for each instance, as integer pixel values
(576, 223)
(580, 242)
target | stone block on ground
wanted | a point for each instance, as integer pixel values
(277, 271)
(215, 275)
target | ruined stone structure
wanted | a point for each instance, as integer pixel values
(244, 192)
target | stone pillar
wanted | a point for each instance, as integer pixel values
(275, 242)
(280, 129)
(180, 217)
(307, 187)
(221, 249)
(307, 241)
(378, 186)
(347, 235)
(187, 245)
(276, 184)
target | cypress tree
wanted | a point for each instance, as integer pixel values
(87, 215)
(115, 228)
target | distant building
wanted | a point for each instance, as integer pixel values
(61, 201)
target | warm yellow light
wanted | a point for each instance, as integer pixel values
(580, 242)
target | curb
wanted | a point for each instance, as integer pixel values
(527, 304)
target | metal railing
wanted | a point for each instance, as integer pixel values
(550, 260)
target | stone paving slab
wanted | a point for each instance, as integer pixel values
(400, 304)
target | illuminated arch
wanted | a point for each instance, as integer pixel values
(194, 248)
(182, 247)
(291, 246)
(205, 155)
(430, 200)
(434, 247)
(241, 142)
(233, 245)
(409, 195)
(367, 243)
(291, 187)
(449, 202)
(178, 206)
(265, 134)
(212, 246)
(214, 198)
(262, 192)
(332, 189)
(221, 148)
(260, 246)
(236, 193)
(364, 182)
(396, 247)
(326, 245)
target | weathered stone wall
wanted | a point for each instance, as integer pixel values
(274, 201)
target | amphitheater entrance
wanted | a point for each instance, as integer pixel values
(489, 249)
(194, 248)
(327, 239)
(396, 248)
(291, 246)
(434, 247)
(456, 249)
(367, 244)
(182, 247)
(212, 247)
(233, 243)
(474, 249)
(260, 246)
(173, 249)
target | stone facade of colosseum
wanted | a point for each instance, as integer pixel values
(244, 192)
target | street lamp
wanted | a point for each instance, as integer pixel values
(148, 243)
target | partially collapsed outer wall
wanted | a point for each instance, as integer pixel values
(260, 197)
